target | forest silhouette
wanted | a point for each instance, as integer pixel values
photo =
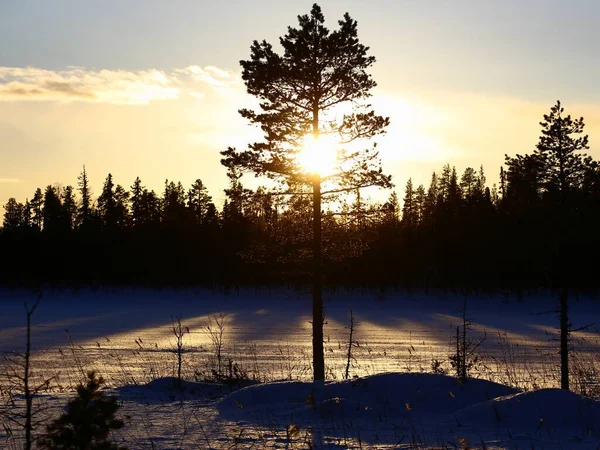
(535, 229)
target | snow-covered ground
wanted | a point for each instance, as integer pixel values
(126, 335)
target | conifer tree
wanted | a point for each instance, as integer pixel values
(562, 170)
(199, 201)
(409, 211)
(150, 208)
(87, 421)
(173, 204)
(137, 190)
(37, 202)
(107, 203)
(432, 196)
(85, 193)
(52, 212)
(392, 209)
(319, 71)
(26, 220)
(121, 207)
(69, 207)
(13, 214)
(469, 184)
(420, 201)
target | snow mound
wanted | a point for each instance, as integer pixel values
(541, 410)
(166, 389)
(390, 395)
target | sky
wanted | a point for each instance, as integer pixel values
(151, 88)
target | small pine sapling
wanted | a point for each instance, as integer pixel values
(351, 343)
(87, 421)
(21, 380)
(466, 356)
(179, 331)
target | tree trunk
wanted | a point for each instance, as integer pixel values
(564, 339)
(318, 356)
(26, 388)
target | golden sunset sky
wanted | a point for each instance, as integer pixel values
(152, 88)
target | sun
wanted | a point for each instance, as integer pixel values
(318, 155)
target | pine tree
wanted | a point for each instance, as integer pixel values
(237, 197)
(420, 201)
(444, 184)
(469, 184)
(562, 170)
(87, 421)
(199, 202)
(392, 209)
(318, 72)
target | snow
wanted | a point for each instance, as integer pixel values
(391, 402)
(406, 395)
(552, 410)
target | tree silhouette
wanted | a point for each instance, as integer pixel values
(561, 171)
(69, 207)
(319, 71)
(87, 421)
(52, 212)
(107, 204)
(13, 214)
(409, 211)
(37, 202)
(85, 192)
(199, 202)
(137, 191)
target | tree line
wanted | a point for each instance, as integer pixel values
(535, 229)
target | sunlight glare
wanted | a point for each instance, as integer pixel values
(318, 155)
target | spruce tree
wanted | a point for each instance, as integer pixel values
(69, 207)
(107, 203)
(135, 199)
(121, 207)
(52, 211)
(409, 211)
(85, 193)
(37, 202)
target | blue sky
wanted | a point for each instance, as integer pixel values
(463, 82)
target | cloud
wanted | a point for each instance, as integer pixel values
(10, 180)
(116, 86)
(212, 76)
(77, 84)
